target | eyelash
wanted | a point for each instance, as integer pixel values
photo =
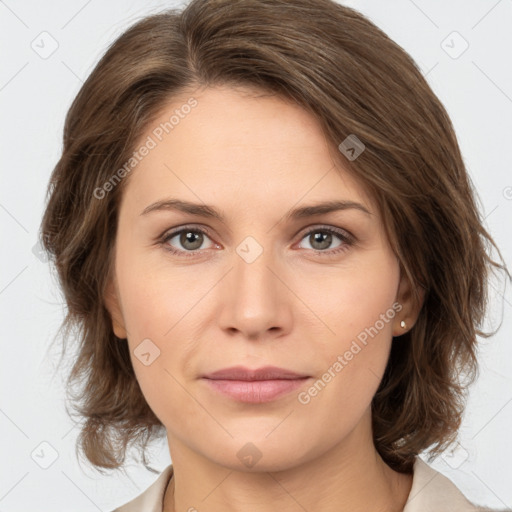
(347, 239)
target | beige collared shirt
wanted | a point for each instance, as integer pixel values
(431, 491)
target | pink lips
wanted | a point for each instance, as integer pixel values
(255, 386)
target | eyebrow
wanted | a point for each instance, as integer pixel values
(204, 210)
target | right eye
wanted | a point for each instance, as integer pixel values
(190, 239)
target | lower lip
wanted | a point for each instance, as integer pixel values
(256, 391)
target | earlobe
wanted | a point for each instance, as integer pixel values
(112, 304)
(411, 306)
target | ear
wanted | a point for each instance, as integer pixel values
(411, 306)
(113, 305)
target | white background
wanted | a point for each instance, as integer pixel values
(35, 93)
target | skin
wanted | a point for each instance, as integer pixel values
(253, 158)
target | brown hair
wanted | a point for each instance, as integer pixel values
(334, 62)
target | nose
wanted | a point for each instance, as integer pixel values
(255, 301)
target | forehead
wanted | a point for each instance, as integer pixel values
(239, 142)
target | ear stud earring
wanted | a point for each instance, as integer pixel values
(402, 324)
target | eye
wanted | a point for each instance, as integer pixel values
(321, 238)
(191, 240)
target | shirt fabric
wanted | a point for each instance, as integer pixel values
(431, 491)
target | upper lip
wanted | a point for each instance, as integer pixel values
(263, 373)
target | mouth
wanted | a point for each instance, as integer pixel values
(255, 386)
(255, 391)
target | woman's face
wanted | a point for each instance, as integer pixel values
(261, 281)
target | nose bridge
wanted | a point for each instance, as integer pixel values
(251, 267)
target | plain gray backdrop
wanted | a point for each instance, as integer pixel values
(48, 49)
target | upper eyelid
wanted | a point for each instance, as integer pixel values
(171, 233)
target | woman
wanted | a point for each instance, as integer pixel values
(312, 339)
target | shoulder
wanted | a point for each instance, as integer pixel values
(151, 500)
(432, 491)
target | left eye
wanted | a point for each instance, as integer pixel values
(323, 239)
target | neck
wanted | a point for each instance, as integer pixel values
(346, 478)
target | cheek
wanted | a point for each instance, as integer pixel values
(157, 345)
(347, 301)
(152, 297)
(357, 307)
(152, 308)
